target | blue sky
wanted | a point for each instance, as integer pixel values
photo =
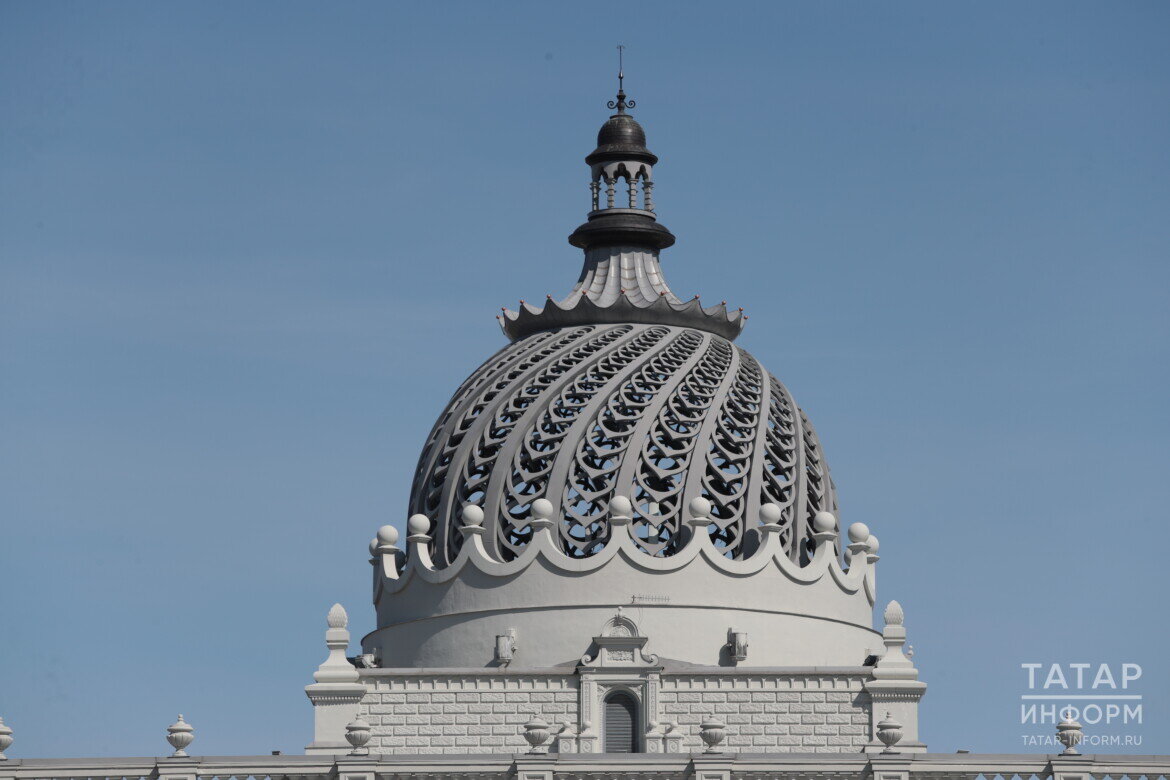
(248, 249)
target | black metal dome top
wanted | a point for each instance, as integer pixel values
(621, 138)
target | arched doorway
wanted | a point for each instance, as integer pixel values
(620, 723)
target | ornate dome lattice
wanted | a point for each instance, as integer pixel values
(654, 413)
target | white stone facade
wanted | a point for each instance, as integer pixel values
(412, 712)
(462, 713)
(776, 713)
(487, 709)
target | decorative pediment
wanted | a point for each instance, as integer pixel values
(620, 644)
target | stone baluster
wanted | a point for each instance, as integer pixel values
(633, 182)
(648, 194)
(609, 192)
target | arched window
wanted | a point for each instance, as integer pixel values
(620, 723)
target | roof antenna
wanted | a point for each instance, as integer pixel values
(621, 104)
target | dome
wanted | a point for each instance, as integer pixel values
(659, 414)
(621, 129)
(621, 138)
(621, 450)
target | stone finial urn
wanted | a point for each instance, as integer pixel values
(889, 732)
(1069, 734)
(357, 734)
(536, 733)
(5, 739)
(180, 734)
(712, 732)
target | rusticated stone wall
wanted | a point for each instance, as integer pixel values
(767, 714)
(464, 714)
(486, 713)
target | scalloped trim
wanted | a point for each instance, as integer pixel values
(579, 309)
(393, 574)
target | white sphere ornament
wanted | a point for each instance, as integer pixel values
(771, 514)
(374, 547)
(5, 739)
(357, 734)
(872, 544)
(180, 734)
(858, 533)
(388, 535)
(700, 508)
(472, 516)
(542, 509)
(621, 506)
(824, 522)
(418, 525)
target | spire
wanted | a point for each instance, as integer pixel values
(621, 104)
(622, 183)
(621, 279)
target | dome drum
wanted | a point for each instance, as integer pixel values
(818, 613)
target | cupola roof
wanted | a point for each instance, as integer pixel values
(621, 280)
(621, 138)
